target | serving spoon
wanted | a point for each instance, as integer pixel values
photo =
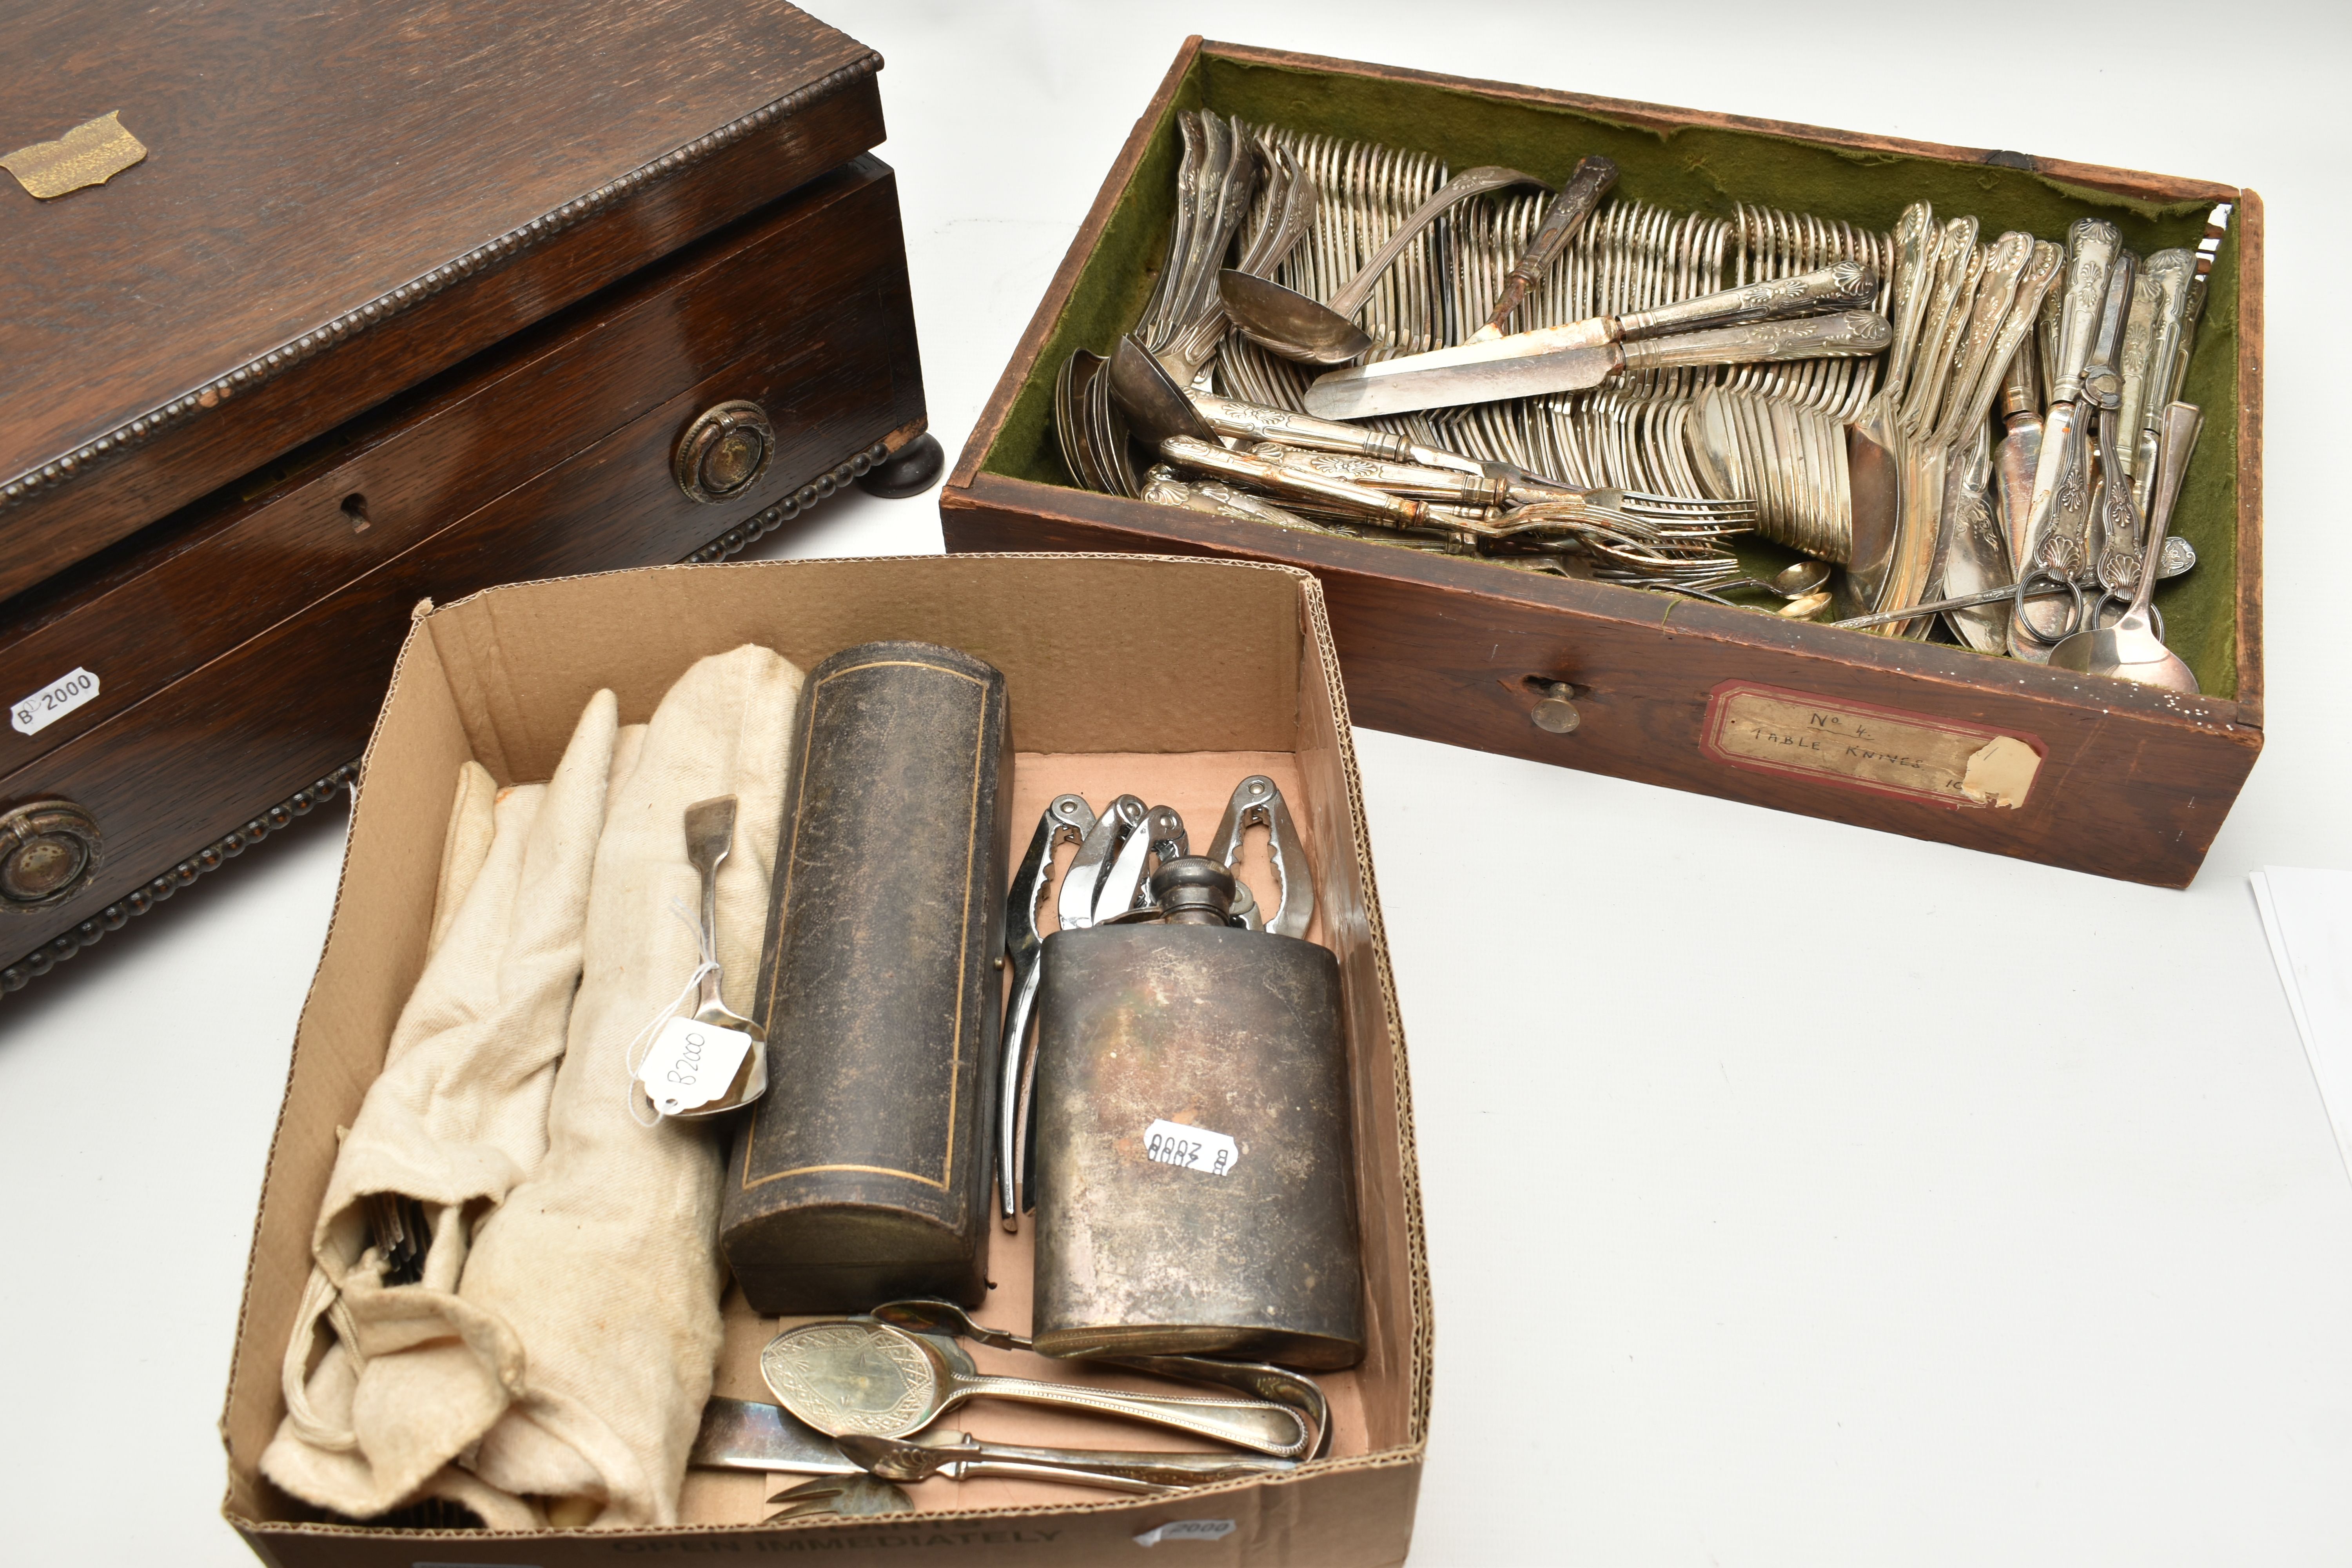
(859, 1376)
(1296, 327)
(1260, 1379)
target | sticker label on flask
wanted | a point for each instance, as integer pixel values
(1186, 1528)
(1769, 729)
(1191, 1148)
(691, 1064)
(31, 715)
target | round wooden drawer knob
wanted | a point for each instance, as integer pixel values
(48, 852)
(724, 451)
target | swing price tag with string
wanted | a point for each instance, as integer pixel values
(691, 1064)
(713, 1060)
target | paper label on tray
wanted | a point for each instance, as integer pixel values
(1191, 1148)
(1186, 1529)
(691, 1064)
(31, 715)
(1917, 756)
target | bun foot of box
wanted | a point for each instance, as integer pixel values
(914, 470)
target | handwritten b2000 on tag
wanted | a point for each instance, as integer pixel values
(691, 1064)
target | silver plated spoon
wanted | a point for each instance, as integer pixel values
(1261, 1380)
(858, 1376)
(1296, 327)
(2130, 649)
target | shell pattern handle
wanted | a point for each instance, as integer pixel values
(1250, 1424)
(2091, 247)
(1208, 457)
(1848, 335)
(1847, 286)
(1585, 188)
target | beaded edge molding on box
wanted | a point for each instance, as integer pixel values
(505, 248)
(302, 802)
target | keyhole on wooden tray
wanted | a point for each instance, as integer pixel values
(355, 513)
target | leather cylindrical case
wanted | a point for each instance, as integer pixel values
(862, 1174)
(1194, 1175)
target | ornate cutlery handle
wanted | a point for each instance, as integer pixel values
(1231, 417)
(1398, 479)
(1265, 1428)
(1164, 1469)
(1208, 457)
(1850, 335)
(1460, 188)
(1849, 285)
(1568, 210)
(2091, 247)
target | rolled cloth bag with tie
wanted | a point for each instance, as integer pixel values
(456, 1119)
(605, 1261)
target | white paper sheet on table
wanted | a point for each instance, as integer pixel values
(2308, 915)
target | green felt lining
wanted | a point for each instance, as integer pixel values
(1696, 168)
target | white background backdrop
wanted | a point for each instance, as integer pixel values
(1796, 1194)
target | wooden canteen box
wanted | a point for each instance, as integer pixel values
(2122, 781)
(401, 301)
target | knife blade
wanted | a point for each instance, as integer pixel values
(1847, 335)
(1397, 386)
(744, 1435)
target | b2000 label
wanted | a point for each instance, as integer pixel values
(31, 715)
(1191, 1148)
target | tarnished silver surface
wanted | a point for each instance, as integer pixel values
(1591, 180)
(1114, 1469)
(1146, 1243)
(710, 835)
(2131, 649)
(1260, 1380)
(1297, 327)
(2065, 545)
(856, 1375)
(1449, 377)
(1067, 819)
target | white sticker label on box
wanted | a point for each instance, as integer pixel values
(1193, 1148)
(31, 715)
(691, 1064)
(1186, 1528)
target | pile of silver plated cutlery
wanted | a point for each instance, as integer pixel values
(1352, 339)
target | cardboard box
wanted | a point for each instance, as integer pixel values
(1171, 679)
(2129, 781)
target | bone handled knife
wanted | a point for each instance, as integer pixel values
(1585, 188)
(1849, 335)
(1436, 379)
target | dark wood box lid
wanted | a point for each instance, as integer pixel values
(337, 200)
